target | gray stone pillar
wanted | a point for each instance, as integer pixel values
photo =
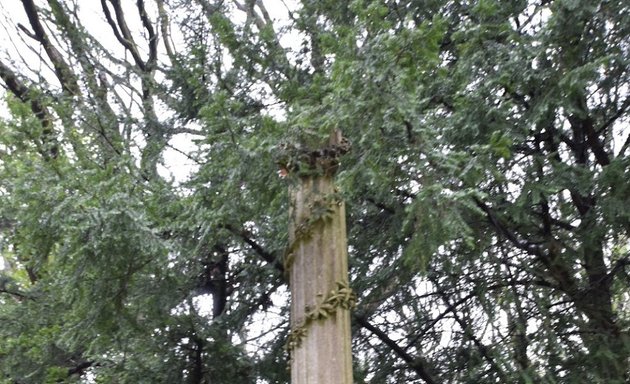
(317, 264)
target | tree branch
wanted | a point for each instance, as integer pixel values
(498, 225)
(19, 296)
(483, 350)
(80, 368)
(416, 364)
(164, 29)
(153, 38)
(121, 30)
(50, 148)
(547, 257)
(614, 117)
(263, 253)
(66, 77)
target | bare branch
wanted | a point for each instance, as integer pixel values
(483, 350)
(121, 30)
(416, 364)
(615, 116)
(547, 256)
(263, 253)
(496, 222)
(153, 38)
(166, 36)
(264, 12)
(585, 125)
(26, 31)
(66, 76)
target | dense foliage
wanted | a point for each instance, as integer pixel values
(143, 220)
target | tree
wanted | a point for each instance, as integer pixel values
(486, 189)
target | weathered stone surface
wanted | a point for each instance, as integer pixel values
(320, 345)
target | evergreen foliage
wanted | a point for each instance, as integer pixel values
(487, 188)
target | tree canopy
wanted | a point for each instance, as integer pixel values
(143, 220)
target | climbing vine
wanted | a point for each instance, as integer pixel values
(341, 297)
(321, 211)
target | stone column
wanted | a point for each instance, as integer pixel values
(317, 264)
